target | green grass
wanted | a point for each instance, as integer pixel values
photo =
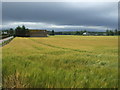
(61, 62)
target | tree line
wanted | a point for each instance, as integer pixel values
(66, 32)
(112, 33)
(22, 31)
(107, 33)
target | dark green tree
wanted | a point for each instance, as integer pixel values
(23, 27)
(107, 32)
(21, 31)
(111, 32)
(84, 31)
(53, 32)
(77, 33)
(18, 31)
(11, 32)
(81, 32)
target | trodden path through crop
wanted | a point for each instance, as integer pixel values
(61, 62)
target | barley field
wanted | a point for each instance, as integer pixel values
(61, 62)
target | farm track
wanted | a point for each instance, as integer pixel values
(60, 62)
(76, 50)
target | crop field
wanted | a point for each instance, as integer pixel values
(61, 62)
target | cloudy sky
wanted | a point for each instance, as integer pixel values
(61, 16)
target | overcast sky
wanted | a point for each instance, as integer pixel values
(94, 16)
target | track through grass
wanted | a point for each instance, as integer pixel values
(61, 62)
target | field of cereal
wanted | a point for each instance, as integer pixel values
(61, 62)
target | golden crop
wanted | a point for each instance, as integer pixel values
(61, 62)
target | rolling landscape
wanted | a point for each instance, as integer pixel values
(61, 62)
(59, 45)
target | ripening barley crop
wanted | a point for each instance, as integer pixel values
(61, 62)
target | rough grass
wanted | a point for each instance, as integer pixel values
(61, 62)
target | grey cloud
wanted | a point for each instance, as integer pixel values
(64, 13)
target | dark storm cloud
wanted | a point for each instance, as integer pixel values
(79, 13)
